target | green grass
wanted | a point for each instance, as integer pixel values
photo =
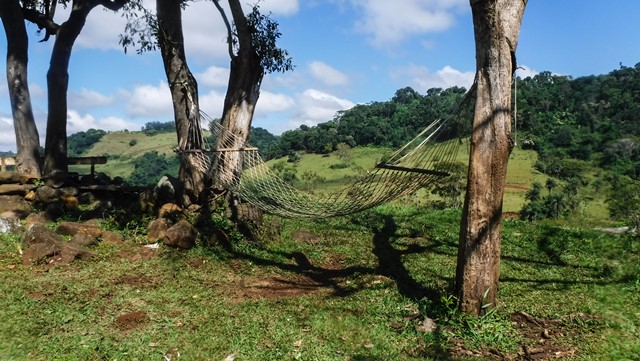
(372, 271)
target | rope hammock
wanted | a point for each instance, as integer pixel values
(425, 159)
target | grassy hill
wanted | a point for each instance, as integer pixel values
(123, 148)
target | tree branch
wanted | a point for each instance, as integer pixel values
(114, 5)
(228, 25)
(41, 20)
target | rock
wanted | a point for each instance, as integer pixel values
(14, 203)
(181, 235)
(13, 189)
(83, 239)
(37, 233)
(39, 252)
(9, 225)
(69, 202)
(169, 210)
(112, 237)
(71, 252)
(156, 230)
(54, 210)
(166, 190)
(86, 198)
(72, 228)
(47, 194)
(37, 218)
(69, 191)
(30, 196)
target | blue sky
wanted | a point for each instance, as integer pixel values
(346, 52)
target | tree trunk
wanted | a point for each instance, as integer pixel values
(184, 94)
(27, 139)
(55, 160)
(496, 27)
(242, 95)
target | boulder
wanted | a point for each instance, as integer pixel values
(14, 203)
(37, 233)
(47, 194)
(112, 237)
(181, 235)
(169, 210)
(9, 224)
(72, 228)
(166, 190)
(83, 239)
(39, 253)
(157, 229)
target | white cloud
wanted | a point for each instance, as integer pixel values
(7, 135)
(389, 22)
(213, 77)
(77, 122)
(150, 101)
(279, 7)
(316, 107)
(327, 74)
(87, 98)
(212, 103)
(422, 79)
(272, 102)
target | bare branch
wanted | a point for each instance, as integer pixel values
(41, 20)
(114, 5)
(228, 25)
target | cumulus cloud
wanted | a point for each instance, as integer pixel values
(213, 77)
(315, 107)
(327, 74)
(272, 102)
(77, 122)
(212, 103)
(87, 98)
(7, 135)
(388, 22)
(149, 101)
(422, 79)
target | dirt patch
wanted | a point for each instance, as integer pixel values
(138, 253)
(277, 287)
(137, 281)
(133, 320)
(542, 339)
(306, 237)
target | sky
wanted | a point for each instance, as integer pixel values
(345, 52)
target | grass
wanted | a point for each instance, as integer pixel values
(374, 277)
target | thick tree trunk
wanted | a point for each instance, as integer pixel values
(55, 160)
(497, 27)
(184, 93)
(27, 139)
(240, 101)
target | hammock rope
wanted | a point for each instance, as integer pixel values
(425, 159)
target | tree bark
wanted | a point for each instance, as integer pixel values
(27, 139)
(496, 27)
(184, 94)
(242, 95)
(55, 160)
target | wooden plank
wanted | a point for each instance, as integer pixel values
(413, 170)
(86, 160)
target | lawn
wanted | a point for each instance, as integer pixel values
(363, 287)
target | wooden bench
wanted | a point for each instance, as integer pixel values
(6, 161)
(87, 160)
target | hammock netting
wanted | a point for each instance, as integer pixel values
(425, 159)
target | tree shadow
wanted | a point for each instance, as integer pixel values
(390, 263)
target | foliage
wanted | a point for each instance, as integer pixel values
(264, 34)
(153, 128)
(150, 167)
(556, 203)
(80, 142)
(624, 201)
